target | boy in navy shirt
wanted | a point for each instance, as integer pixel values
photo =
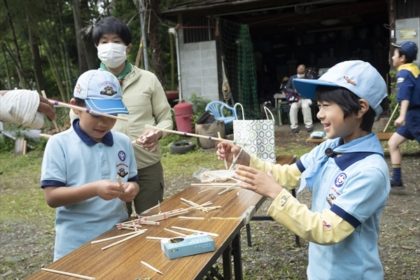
(408, 96)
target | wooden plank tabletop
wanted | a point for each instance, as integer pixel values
(123, 261)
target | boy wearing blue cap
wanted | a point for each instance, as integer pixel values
(408, 96)
(88, 172)
(347, 176)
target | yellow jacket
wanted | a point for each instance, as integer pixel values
(322, 228)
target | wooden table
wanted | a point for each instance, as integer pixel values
(123, 261)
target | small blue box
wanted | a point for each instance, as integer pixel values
(188, 245)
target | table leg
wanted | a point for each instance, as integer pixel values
(279, 111)
(248, 235)
(227, 264)
(237, 260)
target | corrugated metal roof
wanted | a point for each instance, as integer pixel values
(218, 6)
(278, 13)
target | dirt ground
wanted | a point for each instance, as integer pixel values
(274, 253)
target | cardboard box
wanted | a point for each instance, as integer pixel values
(188, 245)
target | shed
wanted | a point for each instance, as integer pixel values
(240, 50)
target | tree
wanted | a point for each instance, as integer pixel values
(154, 37)
(83, 34)
(14, 55)
(34, 42)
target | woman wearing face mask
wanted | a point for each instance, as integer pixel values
(147, 105)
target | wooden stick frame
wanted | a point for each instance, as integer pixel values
(84, 109)
(191, 134)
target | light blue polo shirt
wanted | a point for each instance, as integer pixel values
(354, 184)
(71, 159)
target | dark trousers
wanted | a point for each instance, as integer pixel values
(151, 184)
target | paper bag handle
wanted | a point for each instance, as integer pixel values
(267, 113)
(242, 109)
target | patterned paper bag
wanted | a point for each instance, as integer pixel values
(256, 136)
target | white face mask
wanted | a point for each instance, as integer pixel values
(112, 54)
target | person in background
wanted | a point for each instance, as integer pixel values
(146, 102)
(347, 176)
(408, 97)
(25, 107)
(298, 102)
(88, 172)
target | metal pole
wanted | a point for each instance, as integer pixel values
(174, 32)
(143, 36)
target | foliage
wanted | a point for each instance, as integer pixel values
(393, 99)
(41, 45)
(199, 105)
(6, 144)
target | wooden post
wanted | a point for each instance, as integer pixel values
(20, 146)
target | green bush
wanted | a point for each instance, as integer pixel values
(199, 105)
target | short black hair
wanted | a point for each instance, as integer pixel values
(110, 25)
(80, 102)
(348, 102)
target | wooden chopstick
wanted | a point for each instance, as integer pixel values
(196, 231)
(113, 237)
(189, 134)
(125, 239)
(62, 104)
(69, 274)
(151, 267)
(174, 232)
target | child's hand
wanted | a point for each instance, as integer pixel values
(227, 151)
(399, 121)
(257, 181)
(131, 189)
(107, 189)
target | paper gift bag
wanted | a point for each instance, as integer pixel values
(256, 136)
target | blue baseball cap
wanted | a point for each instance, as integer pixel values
(357, 76)
(101, 91)
(408, 48)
